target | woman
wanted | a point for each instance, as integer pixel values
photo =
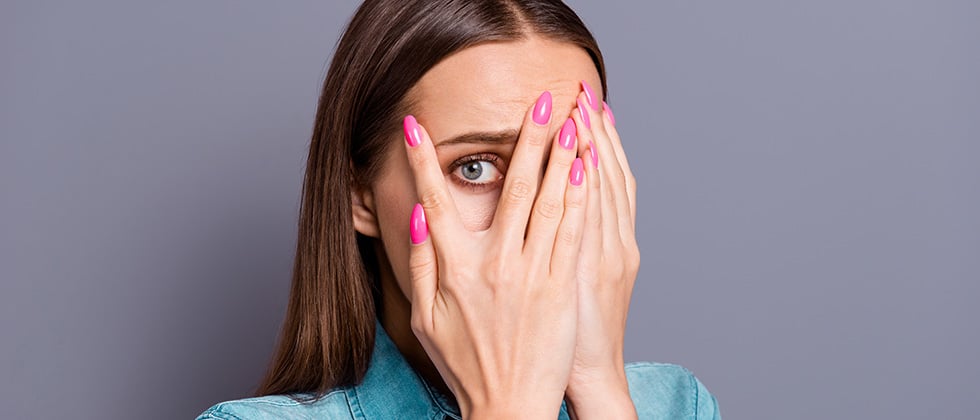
(429, 284)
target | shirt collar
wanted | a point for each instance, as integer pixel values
(392, 389)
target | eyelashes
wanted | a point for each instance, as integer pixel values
(464, 166)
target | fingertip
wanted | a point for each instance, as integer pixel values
(577, 173)
(413, 132)
(541, 114)
(418, 227)
(609, 113)
(568, 134)
(593, 155)
(590, 95)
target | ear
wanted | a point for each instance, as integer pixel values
(365, 216)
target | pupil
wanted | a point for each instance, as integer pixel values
(472, 170)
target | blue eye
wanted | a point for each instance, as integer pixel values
(476, 171)
(473, 171)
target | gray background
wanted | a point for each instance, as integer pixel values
(808, 186)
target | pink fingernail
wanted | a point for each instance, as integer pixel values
(590, 95)
(419, 228)
(412, 133)
(584, 114)
(578, 172)
(594, 153)
(542, 109)
(612, 118)
(567, 136)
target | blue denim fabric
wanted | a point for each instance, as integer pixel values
(392, 390)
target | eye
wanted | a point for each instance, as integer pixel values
(477, 172)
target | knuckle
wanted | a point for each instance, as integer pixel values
(422, 267)
(520, 189)
(548, 208)
(432, 199)
(536, 137)
(568, 235)
(575, 200)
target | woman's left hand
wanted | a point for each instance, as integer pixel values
(607, 268)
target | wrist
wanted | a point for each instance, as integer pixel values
(511, 411)
(600, 396)
(614, 403)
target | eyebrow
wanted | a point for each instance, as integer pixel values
(482, 137)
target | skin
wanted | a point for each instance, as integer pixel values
(490, 88)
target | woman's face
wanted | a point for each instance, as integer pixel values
(472, 104)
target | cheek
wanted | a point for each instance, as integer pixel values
(475, 210)
(395, 197)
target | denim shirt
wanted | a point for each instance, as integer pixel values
(393, 390)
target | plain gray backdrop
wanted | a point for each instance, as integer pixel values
(808, 198)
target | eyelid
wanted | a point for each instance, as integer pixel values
(476, 186)
(489, 157)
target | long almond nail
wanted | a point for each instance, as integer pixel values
(412, 133)
(612, 118)
(590, 95)
(577, 173)
(567, 136)
(542, 109)
(419, 228)
(585, 114)
(594, 153)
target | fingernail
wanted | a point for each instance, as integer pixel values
(542, 109)
(590, 95)
(612, 118)
(578, 172)
(594, 153)
(584, 114)
(419, 229)
(412, 133)
(567, 136)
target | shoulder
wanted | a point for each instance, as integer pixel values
(333, 405)
(662, 391)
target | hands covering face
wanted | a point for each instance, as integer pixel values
(534, 309)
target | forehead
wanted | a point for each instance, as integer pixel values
(491, 86)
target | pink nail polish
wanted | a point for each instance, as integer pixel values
(567, 136)
(542, 109)
(419, 229)
(578, 172)
(612, 118)
(590, 95)
(412, 133)
(585, 115)
(594, 153)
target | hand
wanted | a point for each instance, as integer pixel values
(607, 267)
(495, 310)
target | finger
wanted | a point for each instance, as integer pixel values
(589, 257)
(608, 204)
(612, 171)
(423, 267)
(430, 183)
(549, 206)
(524, 173)
(609, 124)
(568, 238)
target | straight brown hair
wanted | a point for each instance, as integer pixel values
(328, 333)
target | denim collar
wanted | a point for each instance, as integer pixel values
(392, 389)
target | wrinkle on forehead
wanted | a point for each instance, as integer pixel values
(491, 86)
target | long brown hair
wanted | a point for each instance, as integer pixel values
(328, 334)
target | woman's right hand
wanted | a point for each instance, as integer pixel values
(496, 310)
